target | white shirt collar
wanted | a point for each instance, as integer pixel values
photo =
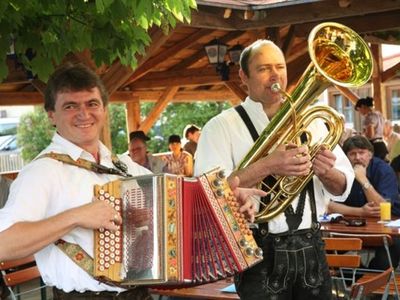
(62, 145)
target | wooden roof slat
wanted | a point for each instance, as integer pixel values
(391, 72)
(187, 77)
(201, 53)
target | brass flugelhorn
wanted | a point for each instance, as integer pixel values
(338, 56)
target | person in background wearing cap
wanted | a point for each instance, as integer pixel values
(373, 126)
(178, 161)
(192, 134)
(139, 154)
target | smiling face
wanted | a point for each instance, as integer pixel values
(266, 66)
(79, 117)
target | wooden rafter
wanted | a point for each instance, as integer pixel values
(307, 11)
(391, 72)
(236, 90)
(201, 53)
(158, 108)
(171, 51)
(188, 77)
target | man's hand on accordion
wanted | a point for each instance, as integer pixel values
(98, 214)
(245, 196)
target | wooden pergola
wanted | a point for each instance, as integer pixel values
(176, 69)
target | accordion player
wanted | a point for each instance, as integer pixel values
(175, 230)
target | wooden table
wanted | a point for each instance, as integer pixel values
(372, 227)
(211, 291)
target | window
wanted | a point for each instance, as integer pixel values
(395, 101)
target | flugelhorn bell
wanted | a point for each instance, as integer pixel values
(338, 56)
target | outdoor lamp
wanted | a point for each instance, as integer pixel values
(216, 51)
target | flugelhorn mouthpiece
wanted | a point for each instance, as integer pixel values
(276, 87)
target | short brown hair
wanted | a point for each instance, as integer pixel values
(72, 77)
(357, 142)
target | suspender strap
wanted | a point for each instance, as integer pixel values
(246, 119)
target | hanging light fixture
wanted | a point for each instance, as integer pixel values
(216, 51)
(234, 53)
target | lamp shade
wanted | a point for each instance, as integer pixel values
(234, 53)
(215, 51)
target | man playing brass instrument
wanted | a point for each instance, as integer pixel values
(294, 265)
(51, 198)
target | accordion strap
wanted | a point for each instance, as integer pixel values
(74, 251)
(120, 167)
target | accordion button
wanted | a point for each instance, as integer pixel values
(221, 174)
(243, 243)
(263, 231)
(258, 253)
(249, 251)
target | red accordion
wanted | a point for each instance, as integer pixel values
(175, 230)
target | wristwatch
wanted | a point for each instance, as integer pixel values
(366, 185)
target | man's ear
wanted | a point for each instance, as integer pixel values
(50, 115)
(243, 76)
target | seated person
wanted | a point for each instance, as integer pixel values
(139, 154)
(374, 182)
(178, 161)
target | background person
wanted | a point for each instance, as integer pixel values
(373, 126)
(192, 134)
(289, 270)
(139, 154)
(392, 140)
(178, 161)
(375, 182)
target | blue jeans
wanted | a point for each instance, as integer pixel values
(294, 267)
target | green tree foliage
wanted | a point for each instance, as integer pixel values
(34, 133)
(176, 116)
(42, 32)
(119, 139)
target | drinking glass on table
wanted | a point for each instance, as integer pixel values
(386, 210)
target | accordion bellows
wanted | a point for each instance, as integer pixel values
(175, 230)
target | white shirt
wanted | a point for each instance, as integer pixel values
(47, 187)
(225, 140)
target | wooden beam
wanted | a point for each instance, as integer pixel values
(158, 108)
(289, 40)
(39, 85)
(283, 14)
(361, 24)
(391, 72)
(132, 116)
(183, 96)
(35, 98)
(187, 77)
(167, 53)
(236, 90)
(377, 79)
(348, 94)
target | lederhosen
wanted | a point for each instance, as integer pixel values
(85, 261)
(294, 265)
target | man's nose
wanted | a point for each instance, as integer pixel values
(83, 111)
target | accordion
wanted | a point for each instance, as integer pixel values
(175, 230)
